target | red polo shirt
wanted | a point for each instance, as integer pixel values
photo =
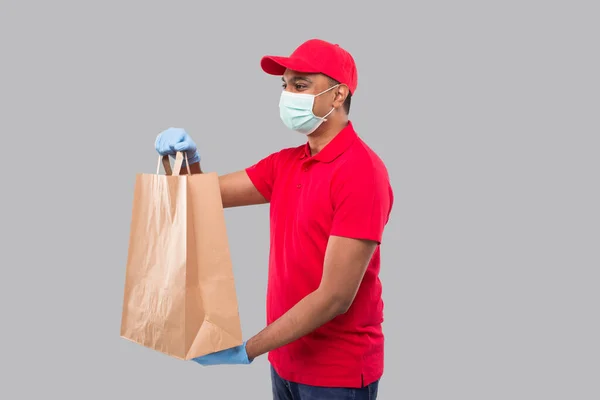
(343, 190)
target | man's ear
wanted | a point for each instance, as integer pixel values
(341, 92)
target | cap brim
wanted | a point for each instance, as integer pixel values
(275, 65)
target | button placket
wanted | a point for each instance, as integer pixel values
(305, 167)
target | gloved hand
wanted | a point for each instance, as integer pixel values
(235, 355)
(173, 140)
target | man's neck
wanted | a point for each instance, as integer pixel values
(325, 134)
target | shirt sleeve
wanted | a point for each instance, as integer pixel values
(362, 202)
(262, 175)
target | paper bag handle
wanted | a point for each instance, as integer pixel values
(166, 162)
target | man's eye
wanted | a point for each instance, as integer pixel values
(300, 87)
(283, 85)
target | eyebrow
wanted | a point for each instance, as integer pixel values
(297, 78)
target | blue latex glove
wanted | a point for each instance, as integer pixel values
(235, 355)
(173, 140)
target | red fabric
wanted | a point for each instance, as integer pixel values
(316, 56)
(343, 190)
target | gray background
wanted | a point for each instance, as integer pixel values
(486, 114)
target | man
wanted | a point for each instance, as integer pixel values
(330, 200)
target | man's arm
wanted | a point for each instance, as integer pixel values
(236, 188)
(346, 261)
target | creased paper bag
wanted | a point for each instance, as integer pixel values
(180, 296)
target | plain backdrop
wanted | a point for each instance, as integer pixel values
(485, 113)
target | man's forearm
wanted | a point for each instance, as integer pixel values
(307, 315)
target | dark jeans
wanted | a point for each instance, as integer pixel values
(286, 390)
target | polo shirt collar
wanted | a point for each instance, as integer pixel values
(335, 147)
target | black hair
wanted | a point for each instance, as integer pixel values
(348, 100)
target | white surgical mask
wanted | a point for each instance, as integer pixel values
(295, 110)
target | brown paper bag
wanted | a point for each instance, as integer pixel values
(180, 296)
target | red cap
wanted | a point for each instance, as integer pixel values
(316, 56)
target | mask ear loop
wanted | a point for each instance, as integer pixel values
(327, 90)
(324, 118)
